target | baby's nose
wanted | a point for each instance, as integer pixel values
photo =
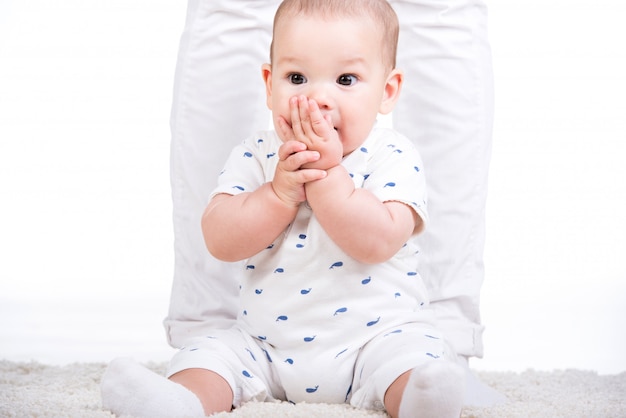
(322, 97)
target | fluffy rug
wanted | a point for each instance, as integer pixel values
(38, 390)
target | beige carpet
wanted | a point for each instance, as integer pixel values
(38, 390)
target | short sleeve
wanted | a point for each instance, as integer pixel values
(394, 170)
(250, 165)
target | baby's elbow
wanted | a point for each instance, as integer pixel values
(216, 250)
(219, 250)
(375, 255)
(215, 247)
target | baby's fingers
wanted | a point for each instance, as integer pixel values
(289, 148)
(286, 130)
(298, 119)
(311, 174)
(297, 160)
(320, 125)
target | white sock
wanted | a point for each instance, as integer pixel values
(434, 390)
(128, 388)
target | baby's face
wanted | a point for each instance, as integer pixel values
(338, 63)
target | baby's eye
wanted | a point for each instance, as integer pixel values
(347, 79)
(296, 78)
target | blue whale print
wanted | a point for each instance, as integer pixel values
(246, 373)
(239, 188)
(309, 339)
(289, 361)
(247, 154)
(312, 390)
(374, 322)
(258, 291)
(340, 310)
(282, 318)
(366, 280)
(279, 270)
(398, 331)
(306, 291)
(250, 267)
(390, 184)
(337, 264)
(300, 245)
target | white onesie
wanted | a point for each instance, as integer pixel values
(309, 308)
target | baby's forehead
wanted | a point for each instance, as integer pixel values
(324, 17)
(302, 36)
(307, 28)
(360, 26)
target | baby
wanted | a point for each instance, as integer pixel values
(325, 211)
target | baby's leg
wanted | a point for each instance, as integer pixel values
(410, 372)
(432, 390)
(212, 389)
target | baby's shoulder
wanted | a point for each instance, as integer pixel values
(384, 143)
(390, 138)
(263, 140)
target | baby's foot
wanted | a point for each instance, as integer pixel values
(130, 389)
(434, 390)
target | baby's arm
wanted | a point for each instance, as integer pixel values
(236, 227)
(357, 221)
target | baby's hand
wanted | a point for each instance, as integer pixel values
(290, 177)
(317, 132)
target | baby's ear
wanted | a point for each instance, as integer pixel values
(393, 85)
(266, 73)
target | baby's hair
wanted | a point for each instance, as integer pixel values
(378, 11)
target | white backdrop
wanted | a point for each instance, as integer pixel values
(86, 254)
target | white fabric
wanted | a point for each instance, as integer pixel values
(219, 99)
(445, 107)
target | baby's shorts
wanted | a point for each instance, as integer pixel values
(348, 372)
